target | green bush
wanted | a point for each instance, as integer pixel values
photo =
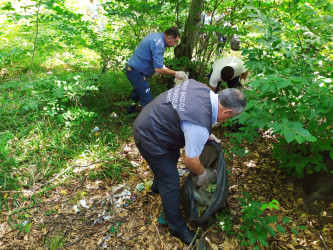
(255, 227)
(290, 91)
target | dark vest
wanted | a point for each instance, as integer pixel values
(157, 128)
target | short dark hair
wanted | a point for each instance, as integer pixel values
(172, 31)
(227, 73)
(233, 99)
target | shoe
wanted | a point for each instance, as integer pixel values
(154, 189)
(131, 109)
(186, 236)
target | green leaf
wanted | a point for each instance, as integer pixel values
(249, 7)
(263, 241)
(289, 135)
(313, 115)
(252, 56)
(311, 138)
(277, 127)
(329, 19)
(27, 228)
(272, 205)
(253, 240)
(285, 220)
(280, 229)
(302, 227)
(293, 230)
(112, 229)
(299, 139)
(301, 131)
(295, 2)
(276, 43)
(252, 15)
(271, 219)
(238, 137)
(271, 231)
(264, 206)
(283, 83)
(242, 201)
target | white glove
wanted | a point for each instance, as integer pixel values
(177, 81)
(181, 75)
(203, 179)
(213, 138)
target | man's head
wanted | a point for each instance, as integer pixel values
(231, 103)
(227, 73)
(171, 36)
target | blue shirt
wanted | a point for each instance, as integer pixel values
(149, 54)
(196, 136)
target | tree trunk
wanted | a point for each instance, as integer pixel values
(189, 38)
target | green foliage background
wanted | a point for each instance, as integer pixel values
(61, 78)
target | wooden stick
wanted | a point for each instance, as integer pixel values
(162, 243)
(194, 238)
(323, 241)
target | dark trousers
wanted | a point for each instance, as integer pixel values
(166, 182)
(141, 86)
(233, 83)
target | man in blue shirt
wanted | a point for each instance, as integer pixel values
(148, 59)
(181, 116)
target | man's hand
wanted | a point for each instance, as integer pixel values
(180, 75)
(203, 179)
(213, 138)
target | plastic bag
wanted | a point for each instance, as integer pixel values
(192, 197)
(235, 43)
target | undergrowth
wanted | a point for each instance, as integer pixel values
(56, 121)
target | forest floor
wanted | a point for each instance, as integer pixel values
(98, 224)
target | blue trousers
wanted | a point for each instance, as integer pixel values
(141, 86)
(167, 183)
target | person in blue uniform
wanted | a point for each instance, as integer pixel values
(148, 59)
(181, 117)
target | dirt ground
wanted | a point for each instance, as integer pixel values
(60, 221)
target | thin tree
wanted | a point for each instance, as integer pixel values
(189, 38)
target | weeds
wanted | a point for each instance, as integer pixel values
(46, 126)
(255, 228)
(55, 242)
